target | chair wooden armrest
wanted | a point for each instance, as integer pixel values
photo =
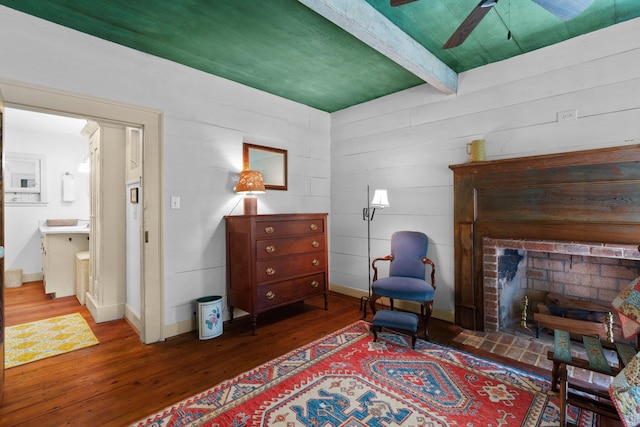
(375, 269)
(426, 260)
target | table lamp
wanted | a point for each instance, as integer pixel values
(250, 184)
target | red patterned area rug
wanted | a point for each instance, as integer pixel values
(345, 379)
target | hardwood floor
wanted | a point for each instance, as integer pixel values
(121, 380)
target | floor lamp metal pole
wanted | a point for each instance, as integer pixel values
(367, 215)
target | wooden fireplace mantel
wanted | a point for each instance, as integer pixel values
(581, 196)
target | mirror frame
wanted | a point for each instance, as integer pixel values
(26, 195)
(36, 163)
(246, 162)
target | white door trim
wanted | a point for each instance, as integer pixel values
(22, 95)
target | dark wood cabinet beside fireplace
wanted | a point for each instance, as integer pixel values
(582, 196)
(275, 260)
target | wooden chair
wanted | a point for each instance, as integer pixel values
(407, 275)
(596, 337)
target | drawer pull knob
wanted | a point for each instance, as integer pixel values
(315, 243)
(313, 227)
(269, 230)
(315, 284)
(270, 271)
(270, 249)
(315, 262)
(270, 295)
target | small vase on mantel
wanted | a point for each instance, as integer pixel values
(475, 150)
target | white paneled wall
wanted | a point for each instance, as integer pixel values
(405, 142)
(205, 121)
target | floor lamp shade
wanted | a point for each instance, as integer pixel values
(380, 199)
(250, 184)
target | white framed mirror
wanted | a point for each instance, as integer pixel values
(24, 176)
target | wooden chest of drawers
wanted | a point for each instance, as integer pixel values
(274, 260)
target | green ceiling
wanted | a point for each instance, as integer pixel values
(431, 22)
(284, 48)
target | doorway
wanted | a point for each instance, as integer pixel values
(21, 96)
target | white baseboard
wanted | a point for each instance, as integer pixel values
(132, 317)
(180, 328)
(104, 313)
(191, 325)
(32, 277)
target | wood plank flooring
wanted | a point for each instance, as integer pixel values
(122, 380)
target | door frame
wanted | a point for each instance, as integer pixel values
(2, 316)
(25, 96)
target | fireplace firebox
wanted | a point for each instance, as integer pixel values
(588, 275)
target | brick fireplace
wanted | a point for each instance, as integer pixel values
(585, 271)
(538, 202)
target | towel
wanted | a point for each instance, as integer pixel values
(68, 188)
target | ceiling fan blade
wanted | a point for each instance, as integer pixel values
(395, 3)
(566, 9)
(469, 24)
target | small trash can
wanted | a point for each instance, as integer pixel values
(13, 278)
(209, 317)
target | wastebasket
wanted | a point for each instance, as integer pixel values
(209, 317)
(13, 278)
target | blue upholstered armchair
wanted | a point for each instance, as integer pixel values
(407, 274)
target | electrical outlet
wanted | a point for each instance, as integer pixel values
(175, 202)
(564, 116)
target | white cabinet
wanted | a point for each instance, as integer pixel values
(106, 294)
(58, 261)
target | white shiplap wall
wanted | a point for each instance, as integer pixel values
(405, 142)
(205, 119)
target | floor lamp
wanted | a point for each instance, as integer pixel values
(380, 200)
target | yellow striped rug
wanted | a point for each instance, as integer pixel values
(45, 338)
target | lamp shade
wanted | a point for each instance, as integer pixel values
(250, 182)
(85, 166)
(380, 199)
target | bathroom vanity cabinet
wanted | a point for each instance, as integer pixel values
(58, 261)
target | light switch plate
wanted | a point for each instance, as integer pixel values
(175, 202)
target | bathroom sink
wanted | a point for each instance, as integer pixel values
(81, 227)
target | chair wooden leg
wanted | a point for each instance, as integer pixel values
(372, 303)
(555, 373)
(426, 308)
(563, 395)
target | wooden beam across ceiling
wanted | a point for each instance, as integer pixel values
(364, 22)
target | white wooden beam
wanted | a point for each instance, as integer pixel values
(363, 21)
